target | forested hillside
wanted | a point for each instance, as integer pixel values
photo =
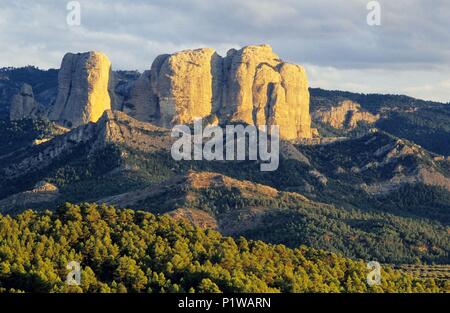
(426, 123)
(128, 251)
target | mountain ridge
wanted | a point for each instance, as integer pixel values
(119, 158)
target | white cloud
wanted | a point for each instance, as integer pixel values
(430, 85)
(331, 38)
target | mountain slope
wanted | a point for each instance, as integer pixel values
(330, 196)
(235, 207)
(426, 123)
(20, 135)
(367, 171)
(42, 82)
(369, 166)
(88, 161)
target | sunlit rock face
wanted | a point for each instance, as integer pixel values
(346, 115)
(250, 85)
(263, 90)
(183, 86)
(82, 89)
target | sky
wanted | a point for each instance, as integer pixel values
(408, 53)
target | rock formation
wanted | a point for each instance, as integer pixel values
(251, 85)
(346, 115)
(263, 90)
(184, 86)
(23, 104)
(83, 83)
(121, 85)
(141, 101)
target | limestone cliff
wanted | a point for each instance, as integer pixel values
(251, 85)
(263, 90)
(346, 115)
(184, 87)
(23, 104)
(83, 82)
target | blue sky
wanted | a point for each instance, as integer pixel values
(409, 53)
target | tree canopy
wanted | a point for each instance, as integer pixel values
(134, 251)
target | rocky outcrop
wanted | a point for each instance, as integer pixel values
(183, 86)
(83, 83)
(346, 115)
(42, 193)
(23, 104)
(250, 85)
(141, 103)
